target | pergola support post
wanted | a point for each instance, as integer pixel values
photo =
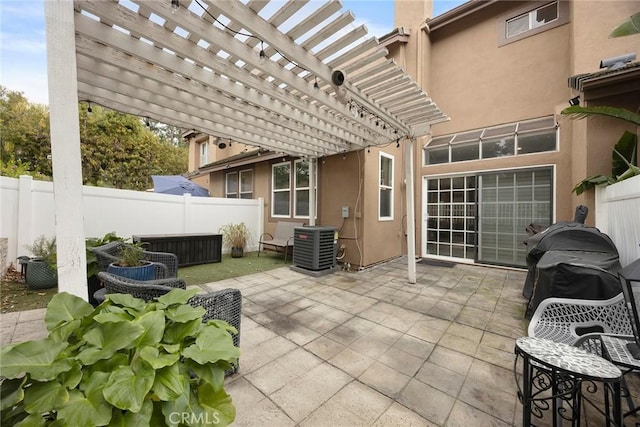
(410, 201)
(65, 147)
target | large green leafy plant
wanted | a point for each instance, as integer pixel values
(124, 363)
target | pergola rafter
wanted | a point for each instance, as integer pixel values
(191, 62)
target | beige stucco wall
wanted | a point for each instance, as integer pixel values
(478, 83)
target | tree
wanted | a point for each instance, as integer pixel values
(117, 149)
(24, 133)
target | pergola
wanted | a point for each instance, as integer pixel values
(285, 76)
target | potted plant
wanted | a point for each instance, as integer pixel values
(131, 263)
(125, 362)
(42, 270)
(235, 237)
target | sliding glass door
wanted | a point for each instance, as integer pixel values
(483, 216)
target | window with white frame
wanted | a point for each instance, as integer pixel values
(239, 185)
(281, 189)
(204, 153)
(385, 200)
(291, 187)
(530, 20)
(301, 189)
(513, 139)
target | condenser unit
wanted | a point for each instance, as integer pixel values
(314, 248)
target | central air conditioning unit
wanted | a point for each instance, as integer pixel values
(314, 249)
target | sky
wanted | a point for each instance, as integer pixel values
(23, 51)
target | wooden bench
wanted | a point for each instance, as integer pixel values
(282, 239)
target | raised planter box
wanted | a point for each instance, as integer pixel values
(191, 249)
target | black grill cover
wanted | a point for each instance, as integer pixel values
(570, 260)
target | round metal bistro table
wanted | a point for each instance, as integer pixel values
(553, 377)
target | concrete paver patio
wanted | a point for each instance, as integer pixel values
(368, 348)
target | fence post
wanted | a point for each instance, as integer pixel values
(25, 204)
(186, 212)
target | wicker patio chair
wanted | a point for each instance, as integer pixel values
(166, 263)
(222, 305)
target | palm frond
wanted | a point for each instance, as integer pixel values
(580, 112)
(628, 27)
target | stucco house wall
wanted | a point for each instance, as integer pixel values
(479, 80)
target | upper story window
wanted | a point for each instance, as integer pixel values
(204, 153)
(291, 187)
(239, 185)
(532, 19)
(385, 200)
(513, 139)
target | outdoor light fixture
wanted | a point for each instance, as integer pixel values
(263, 56)
(575, 100)
(315, 84)
(89, 109)
(398, 143)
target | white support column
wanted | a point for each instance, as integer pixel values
(411, 223)
(65, 147)
(313, 202)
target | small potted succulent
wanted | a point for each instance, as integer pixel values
(235, 237)
(42, 270)
(125, 362)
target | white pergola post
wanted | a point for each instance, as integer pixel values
(313, 195)
(65, 147)
(411, 224)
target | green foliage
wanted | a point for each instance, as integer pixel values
(44, 248)
(25, 133)
(132, 255)
(117, 149)
(125, 362)
(580, 112)
(235, 235)
(629, 27)
(624, 157)
(13, 168)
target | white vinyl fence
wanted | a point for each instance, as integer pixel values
(618, 216)
(27, 211)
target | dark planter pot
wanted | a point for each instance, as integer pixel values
(40, 276)
(237, 252)
(93, 285)
(143, 272)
